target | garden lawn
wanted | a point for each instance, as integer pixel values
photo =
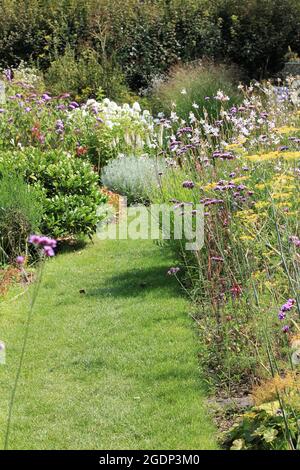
(113, 367)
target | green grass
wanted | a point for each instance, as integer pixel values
(114, 368)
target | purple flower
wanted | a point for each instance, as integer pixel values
(48, 251)
(184, 130)
(20, 260)
(285, 328)
(47, 244)
(59, 126)
(217, 258)
(286, 308)
(288, 305)
(295, 240)
(281, 315)
(73, 105)
(8, 74)
(173, 271)
(64, 96)
(46, 97)
(188, 184)
(223, 155)
(208, 201)
(34, 239)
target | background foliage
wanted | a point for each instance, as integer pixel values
(143, 39)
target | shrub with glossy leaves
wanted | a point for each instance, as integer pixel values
(70, 187)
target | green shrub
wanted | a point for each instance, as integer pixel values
(265, 428)
(21, 212)
(196, 85)
(85, 76)
(70, 187)
(256, 34)
(147, 38)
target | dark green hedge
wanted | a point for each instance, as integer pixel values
(146, 37)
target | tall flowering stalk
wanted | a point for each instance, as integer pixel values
(45, 247)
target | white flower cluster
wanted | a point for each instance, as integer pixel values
(114, 114)
(127, 123)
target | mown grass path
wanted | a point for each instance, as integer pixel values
(112, 368)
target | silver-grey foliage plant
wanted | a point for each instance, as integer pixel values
(133, 177)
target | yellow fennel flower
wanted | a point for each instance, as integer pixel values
(286, 130)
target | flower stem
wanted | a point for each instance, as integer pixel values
(19, 369)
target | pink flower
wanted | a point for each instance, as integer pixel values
(20, 260)
(46, 243)
(286, 308)
(48, 251)
(295, 241)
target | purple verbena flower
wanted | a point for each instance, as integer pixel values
(46, 97)
(46, 243)
(48, 251)
(173, 271)
(286, 308)
(73, 105)
(188, 184)
(294, 240)
(217, 258)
